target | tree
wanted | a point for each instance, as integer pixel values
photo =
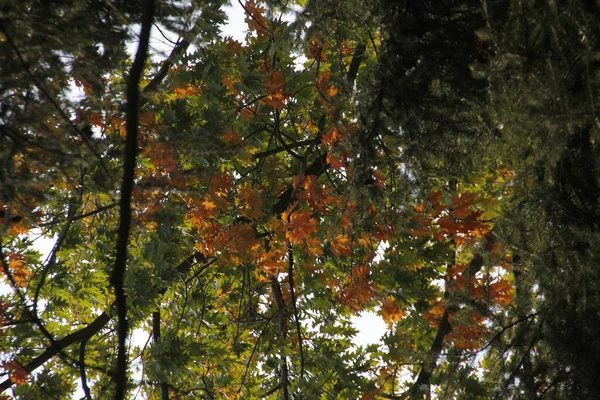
(238, 202)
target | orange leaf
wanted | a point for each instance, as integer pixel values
(379, 179)
(461, 204)
(233, 46)
(249, 113)
(334, 162)
(315, 50)
(332, 91)
(96, 119)
(276, 101)
(187, 90)
(503, 292)
(435, 314)
(332, 136)
(274, 82)
(233, 138)
(301, 225)
(390, 311)
(20, 228)
(435, 199)
(255, 18)
(18, 374)
(221, 184)
(252, 202)
(20, 274)
(229, 82)
(341, 245)
(323, 80)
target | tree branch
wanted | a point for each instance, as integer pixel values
(58, 346)
(164, 387)
(180, 47)
(424, 379)
(84, 385)
(118, 273)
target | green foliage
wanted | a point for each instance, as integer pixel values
(432, 163)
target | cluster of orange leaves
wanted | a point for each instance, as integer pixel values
(255, 19)
(390, 312)
(468, 329)
(460, 221)
(276, 97)
(316, 49)
(186, 90)
(327, 89)
(316, 195)
(337, 153)
(19, 272)
(229, 82)
(356, 290)
(469, 334)
(18, 374)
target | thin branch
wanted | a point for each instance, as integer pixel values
(84, 385)
(276, 150)
(504, 329)
(295, 309)
(82, 216)
(179, 49)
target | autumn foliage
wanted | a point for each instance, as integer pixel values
(335, 161)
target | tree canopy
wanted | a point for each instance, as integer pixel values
(235, 204)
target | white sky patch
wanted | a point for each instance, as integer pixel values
(370, 328)
(235, 26)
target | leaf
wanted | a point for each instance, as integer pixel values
(251, 202)
(300, 225)
(255, 18)
(332, 136)
(233, 138)
(18, 374)
(341, 245)
(502, 292)
(19, 272)
(390, 311)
